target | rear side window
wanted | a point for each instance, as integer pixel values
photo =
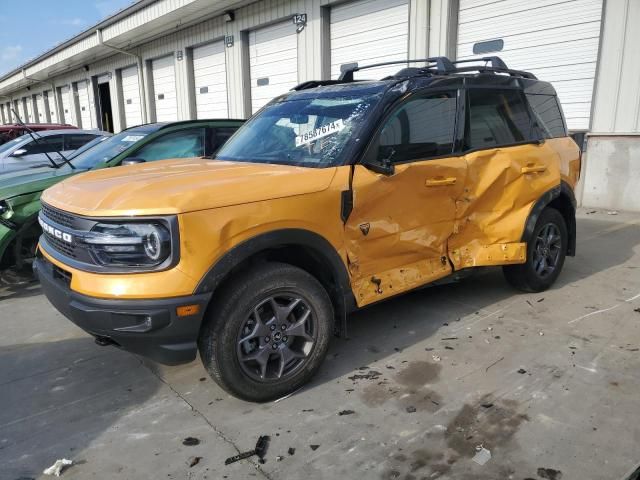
(73, 142)
(496, 118)
(220, 135)
(548, 115)
(421, 128)
(180, 144)
(49, 144)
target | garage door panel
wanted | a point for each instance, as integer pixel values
(508, 9)
(164, 89)
(356, 9)
(560, 46)
(556, 26)
(84, 104)
(369, 31)
(210, 77)
(131, 96)
(273, 60)
(30, 110)
(66, 104)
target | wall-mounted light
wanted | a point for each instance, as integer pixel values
(179, 55)
(300, 20)
(229, 16)
(86, 68)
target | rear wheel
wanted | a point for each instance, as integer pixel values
(546, 252)
(267, 333)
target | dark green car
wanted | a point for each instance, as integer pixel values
(20, 191)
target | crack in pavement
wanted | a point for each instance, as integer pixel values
(219, 433)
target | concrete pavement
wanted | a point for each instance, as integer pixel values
(547, 383)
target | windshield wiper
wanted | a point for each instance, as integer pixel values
(32, 133)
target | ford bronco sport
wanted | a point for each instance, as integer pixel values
(334, 196)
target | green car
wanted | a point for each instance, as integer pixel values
(20, 191)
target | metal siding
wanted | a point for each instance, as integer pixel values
(560, 46)
(131, 96)
(4, 121)
(617, 97)
(273, 55)
(210, 73)
(164, 84)
(368, 32)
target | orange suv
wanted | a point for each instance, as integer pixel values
(336, 195)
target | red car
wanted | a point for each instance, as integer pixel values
(14, 130)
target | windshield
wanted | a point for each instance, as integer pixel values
(307, 132)
(11, 144)
(107, 149)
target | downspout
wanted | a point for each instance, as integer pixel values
(53, 90)
(141, 82)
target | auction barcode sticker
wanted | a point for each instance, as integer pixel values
(323, 131)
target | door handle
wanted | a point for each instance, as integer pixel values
(533, 169)
(440, 181)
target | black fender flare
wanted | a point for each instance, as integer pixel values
(548, 198)
(342, 293)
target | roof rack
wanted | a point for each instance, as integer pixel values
(442, 64)
(435, 66)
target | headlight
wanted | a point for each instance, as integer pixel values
(129, 244)
(4, 207)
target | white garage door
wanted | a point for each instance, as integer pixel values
(367, 32)
(131, 96)
(164, 89)
(10, 116)
(210, 76)
(67, 116)
(51, 102)
(273, 59)
(4, 117)
(17, 106)
(42, 109)
(84, 103)
(560, 46)
(29, 109)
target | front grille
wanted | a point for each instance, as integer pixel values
(58, 216)
(60, 245)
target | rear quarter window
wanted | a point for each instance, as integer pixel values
(548, 115)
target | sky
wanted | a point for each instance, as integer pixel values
(28, 28)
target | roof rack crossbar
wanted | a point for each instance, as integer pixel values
(483, 69)
(496, 62)
(443, 65)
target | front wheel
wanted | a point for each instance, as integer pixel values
(267, 332)
(546, 252)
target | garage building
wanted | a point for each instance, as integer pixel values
(167, 60)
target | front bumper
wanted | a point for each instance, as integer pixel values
(150, 328)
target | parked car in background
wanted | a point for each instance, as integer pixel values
(20, 191)
(38, 149)
(9, 132)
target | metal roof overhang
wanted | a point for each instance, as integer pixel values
(135, 25)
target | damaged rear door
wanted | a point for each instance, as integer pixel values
(405, 199)
(509, 169)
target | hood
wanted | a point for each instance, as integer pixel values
(182, 185)
(31, 180)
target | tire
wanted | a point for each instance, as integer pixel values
(273, 362)
(532, 276)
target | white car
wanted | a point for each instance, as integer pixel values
(26, 152)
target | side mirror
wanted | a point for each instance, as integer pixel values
(132, 161)
(382, 165)
(20, 152)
